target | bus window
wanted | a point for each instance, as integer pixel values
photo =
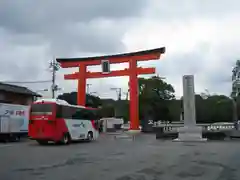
(96, 114)
(59, 112)
(67, 112)
(42, 109)
(83, 114)
(92, 115)
(77, 113)
(87, 114)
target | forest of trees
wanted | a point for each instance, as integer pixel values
(157, 101)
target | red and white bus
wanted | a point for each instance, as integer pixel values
(57, 121)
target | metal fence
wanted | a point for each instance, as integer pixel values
(170, 127)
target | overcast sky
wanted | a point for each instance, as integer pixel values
(201, 37)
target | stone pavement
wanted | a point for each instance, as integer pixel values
(120, 159)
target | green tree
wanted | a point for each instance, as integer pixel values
(201, 109)
(71, 98)
(107, 111)
(122, 109)
(93, 101)
(235, 90)
(213, 108)
(175, 109)
(155, 87)
(220, 107)
(154, 97)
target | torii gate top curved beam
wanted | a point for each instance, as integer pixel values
(113, 59)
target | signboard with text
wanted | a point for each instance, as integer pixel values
(14, 117)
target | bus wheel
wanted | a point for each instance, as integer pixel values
(66, 139)
(89, 136)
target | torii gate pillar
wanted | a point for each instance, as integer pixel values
(134, 105)
(133, 71)
(81, 94)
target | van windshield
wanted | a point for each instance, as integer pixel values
(42, 109)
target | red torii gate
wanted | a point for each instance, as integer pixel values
(133, 71)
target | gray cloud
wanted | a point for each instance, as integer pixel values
(188, 9)
(32, 32)
(87, 38)
(40, 16)
(212, 74)
(69, 26)
(24, 63)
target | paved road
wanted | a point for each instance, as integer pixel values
(121, 159)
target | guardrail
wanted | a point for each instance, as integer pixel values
(205, 127)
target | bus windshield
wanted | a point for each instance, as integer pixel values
(42, 109)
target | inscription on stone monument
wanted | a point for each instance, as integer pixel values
(189, 100)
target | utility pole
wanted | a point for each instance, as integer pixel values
(53, 79)
(126, 93)
(88, 85)
(118, 91)
(54, 67)
(119, 94)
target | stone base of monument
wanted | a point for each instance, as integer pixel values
(234, 133)
(133, 132)
(190, 134)
(130, 134)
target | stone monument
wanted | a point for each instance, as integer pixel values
(190, 131)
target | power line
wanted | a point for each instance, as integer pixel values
(27, 82)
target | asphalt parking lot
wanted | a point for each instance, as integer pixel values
(121, 159)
